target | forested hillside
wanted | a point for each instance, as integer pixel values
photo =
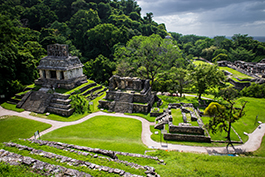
(109, 36)
(93, 29)
(241, 47)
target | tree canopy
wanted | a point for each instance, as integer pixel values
(148, 56)
(206, 76)
(222, 116)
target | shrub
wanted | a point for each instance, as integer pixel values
(80, 103)
(255, 90)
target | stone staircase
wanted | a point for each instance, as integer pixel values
(60, 104)
(35, 101)
(92, 90)
(87, 87)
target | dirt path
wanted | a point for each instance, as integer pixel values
(251, 145)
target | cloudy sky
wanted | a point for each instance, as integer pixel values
(208, 17)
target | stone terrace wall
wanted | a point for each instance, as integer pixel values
(186, 129)
(239, 85)
(180, 137)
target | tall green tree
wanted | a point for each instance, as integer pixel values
(102, 38)
(181, 76)
(149, 55)
(222, 116)
(38, 16)
(242, 54)
(99, 69)
(80, 23)
(205, 76)
(19, 55)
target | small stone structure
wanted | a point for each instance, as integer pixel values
(184, 131)
(129, 95)
(60, 69)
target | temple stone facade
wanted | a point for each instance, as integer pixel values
(129, 95)
(59, 69)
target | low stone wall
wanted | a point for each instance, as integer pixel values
(186, 129)
(239, 85)
(136, 107)
(180, 137)
(104, 104)
(87, 87)
(43, 167)
(92, 90)
(63, 112)
(156, 114)
(141, 108)
(184, 117)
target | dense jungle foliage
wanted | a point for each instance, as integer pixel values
(109, 36)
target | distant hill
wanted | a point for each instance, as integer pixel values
(258, 38)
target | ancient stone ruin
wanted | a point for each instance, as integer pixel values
(80, 151)
(129, 95)
(58, 69)
(255, 70)
(184, 131)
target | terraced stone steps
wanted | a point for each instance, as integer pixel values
(91, 90)
(46, 168)
(111, 154)
(87, 87)
(150, 171)
(60, 104)
(94, 150)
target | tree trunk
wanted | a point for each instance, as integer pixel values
(228, 132)
(200, 96)
(228, 136)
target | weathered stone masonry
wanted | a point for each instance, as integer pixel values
(129, 95)
(60, 69)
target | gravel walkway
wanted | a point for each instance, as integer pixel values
(251, 145)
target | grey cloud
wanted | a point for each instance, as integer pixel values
(208, 16)
(171, 7)
(236, 13)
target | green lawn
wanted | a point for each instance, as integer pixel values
(254, 107)
(198, 62)
(177, 116)
(51, 116)
(11, 107)
(143, 115)
(220, 135)
(106, 132)
(236, 73)
(13, 170)
(14, 127)
(192, 164)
